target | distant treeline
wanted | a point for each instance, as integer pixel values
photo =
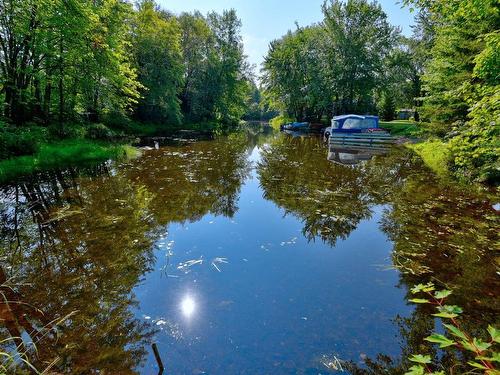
(354, 61)
(62, 60)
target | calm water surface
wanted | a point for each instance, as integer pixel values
(257, 253)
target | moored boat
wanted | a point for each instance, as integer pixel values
(295, 126)
(354, 124)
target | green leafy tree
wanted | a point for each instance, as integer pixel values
(158, 52)
(461, 83)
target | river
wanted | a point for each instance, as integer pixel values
(253, 253)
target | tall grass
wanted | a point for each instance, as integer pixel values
(64, 153)
(19, 358)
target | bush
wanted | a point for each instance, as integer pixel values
(99, 131)
(116, 121)
(67, 131)
(280, 120)
(21, 141)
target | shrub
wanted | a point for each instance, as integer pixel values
(21, 141)
(67, 131)
(117, 121)
(280, 120)
(99, 131)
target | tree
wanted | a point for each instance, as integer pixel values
(461, 82)
(359, 40)
(228, 67)
(66, 57)
(198, 51)
(331, 68)
(158, 53)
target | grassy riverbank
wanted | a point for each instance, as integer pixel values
(434, 152)
(30, 149)
(404, 128)
(61, 154)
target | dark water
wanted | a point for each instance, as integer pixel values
(256, 253)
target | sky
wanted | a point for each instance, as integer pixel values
(266, 20)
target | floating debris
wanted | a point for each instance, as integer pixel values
(331, 362)
(186, 266)
(219, 261)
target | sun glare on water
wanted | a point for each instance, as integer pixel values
(188, 306)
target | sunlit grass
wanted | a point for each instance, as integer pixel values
(435, 154)
(402, 128)
(64, 153)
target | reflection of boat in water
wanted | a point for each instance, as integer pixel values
(352, 155)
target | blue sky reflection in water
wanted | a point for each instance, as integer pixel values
(278, 303)
(247, 254)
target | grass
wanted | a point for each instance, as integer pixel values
(403, 128)
(435, 154)
(63, 153)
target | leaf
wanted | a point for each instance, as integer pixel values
(422, 288)
(416, 370)
(494, 333)
(445, 315)
(468, 346)
(455, 331)
(495, 357)
(443, 341)
(437, 373)
(442, 294)
(480, 345)
(477, 365)
(419, 300)
(448, 311)
(419, 358)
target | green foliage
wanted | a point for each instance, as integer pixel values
(64, 153)
(66, 131)
(403, 128)
(387, 106)
(20, 141)
(157, 44)
(332, 67)
(486, 354)
(72, 61)
(476, 148)
(435, 154)
(281, 120)
(462, 84)
(99, 132)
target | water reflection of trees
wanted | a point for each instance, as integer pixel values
(330, 199)
(197, 179)
(71, 244)
(448, 234)
(441, 232)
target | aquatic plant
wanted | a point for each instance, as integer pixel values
(23, 356)
(485, 353)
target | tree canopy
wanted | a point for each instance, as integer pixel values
(70, 60)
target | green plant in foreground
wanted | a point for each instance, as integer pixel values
(486, 353)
